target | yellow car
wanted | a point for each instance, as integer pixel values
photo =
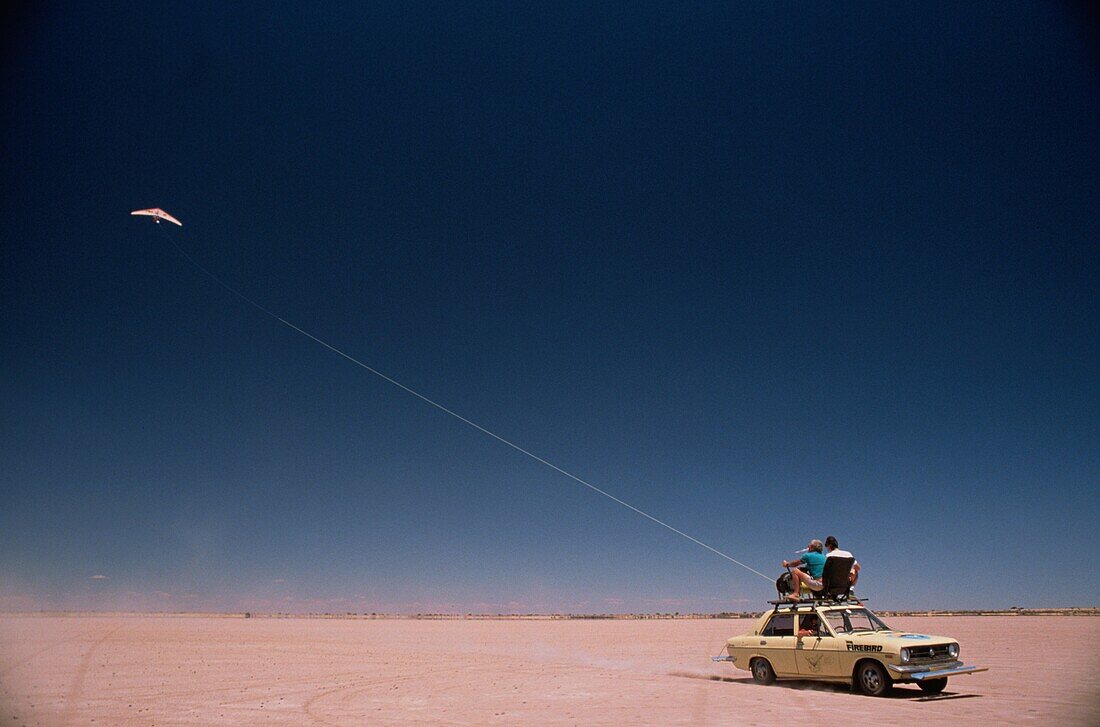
(843, 642)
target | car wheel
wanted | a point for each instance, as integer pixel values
(872, 679)
(933, 686)
(762, 671)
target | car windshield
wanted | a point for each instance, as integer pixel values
(854, 620)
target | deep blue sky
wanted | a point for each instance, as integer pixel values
(768, 272)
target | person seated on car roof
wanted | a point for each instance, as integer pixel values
(811, 577)
(832, 550)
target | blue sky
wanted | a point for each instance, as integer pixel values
(768, 272)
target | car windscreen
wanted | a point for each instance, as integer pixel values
(854, 620)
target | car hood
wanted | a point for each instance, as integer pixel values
(896, 639)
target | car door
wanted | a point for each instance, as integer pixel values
(777, 643)
(817, 655)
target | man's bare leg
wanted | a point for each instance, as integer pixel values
(799, 576)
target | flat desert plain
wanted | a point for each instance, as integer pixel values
(222, 670)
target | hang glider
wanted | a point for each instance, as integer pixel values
(157, 214)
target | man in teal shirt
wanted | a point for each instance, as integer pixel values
(814, 560)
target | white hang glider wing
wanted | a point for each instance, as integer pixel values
(157, 214)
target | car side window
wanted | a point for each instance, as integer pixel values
(811, 623)
(782, 624)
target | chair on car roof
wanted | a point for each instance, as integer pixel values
(834, 580)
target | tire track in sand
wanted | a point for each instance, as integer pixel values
(76, 691)
(34, 655)
(358, 686)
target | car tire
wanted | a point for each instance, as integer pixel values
(933, 686)
(871, 679)
(762, 672)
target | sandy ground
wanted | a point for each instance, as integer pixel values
(145, 670)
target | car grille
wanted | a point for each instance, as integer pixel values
(928, 653)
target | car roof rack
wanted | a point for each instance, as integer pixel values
(851, 601)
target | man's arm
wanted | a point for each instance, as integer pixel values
(796, 562)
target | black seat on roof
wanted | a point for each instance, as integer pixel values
(834, 579)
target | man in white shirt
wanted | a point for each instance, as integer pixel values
(832, 550)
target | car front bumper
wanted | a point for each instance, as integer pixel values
(920, 672)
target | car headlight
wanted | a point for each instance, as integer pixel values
(904, 655)
(953, 650)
